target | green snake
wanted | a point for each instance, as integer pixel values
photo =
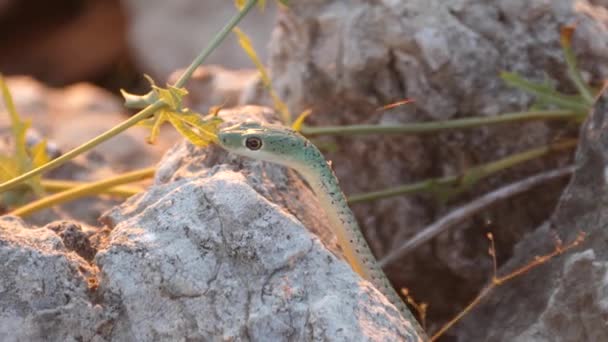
(279, 145)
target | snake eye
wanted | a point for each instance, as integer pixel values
(253, 143)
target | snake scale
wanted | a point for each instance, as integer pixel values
(286, 147)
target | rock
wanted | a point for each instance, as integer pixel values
(279, 185)
(582, 285)
(46, 288)
(236, 269)
(202, 255)
(187, 27)
(564, 300)
(345, 60)
(74, 238)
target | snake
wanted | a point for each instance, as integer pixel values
(284, 146)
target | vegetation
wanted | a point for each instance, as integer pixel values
(21, 173)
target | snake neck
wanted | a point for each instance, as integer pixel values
(343, 224)
(323, 181)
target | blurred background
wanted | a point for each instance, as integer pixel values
(113, 42)
(65, 62)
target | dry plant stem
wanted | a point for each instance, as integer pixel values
(437, 126)
(84, 190)
(480, 172)
(497, 281)
(420, 308)
(464, 212)
(462, 313)
(143, 114)
(54, 185)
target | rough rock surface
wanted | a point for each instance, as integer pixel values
(567, 299)
(346, 59)
(45, 289)
(202, 255)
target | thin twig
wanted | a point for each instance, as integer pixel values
(460, 214)
(57, 185)
(437, 126)
(498, 281)
(473, 174)
(83, 190)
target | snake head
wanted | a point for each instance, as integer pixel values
(270, 143)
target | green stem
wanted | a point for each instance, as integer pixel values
(546, 93)
(55, 185)
(436, 126)
(143, 114)
(214, 43)
(480, 172)
(573, 71)
(82, 148)
(81, 191)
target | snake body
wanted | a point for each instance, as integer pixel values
(286, 147)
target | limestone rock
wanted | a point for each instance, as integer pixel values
(346, 59)
(202, 255)
(46, 292)
(564, 300)
(207, 258)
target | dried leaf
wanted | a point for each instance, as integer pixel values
(39, 154)
(297, 124)
(198, 131)
(171, 96)
(23, 158)
(8, 168)
(18, 126)
(247, 46)
(239, 4)
(159, 118)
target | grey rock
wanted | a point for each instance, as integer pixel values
(345, 59)
(204, 255)
(577, 307)
(565, 299)
(44, 288)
